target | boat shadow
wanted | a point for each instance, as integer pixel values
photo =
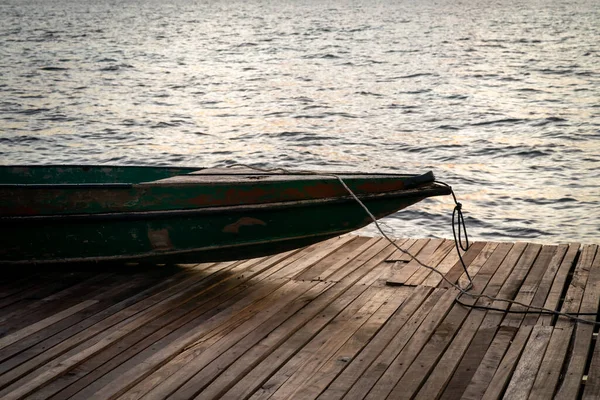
(15, 272)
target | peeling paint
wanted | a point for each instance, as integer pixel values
(244, 221)
(159, 239)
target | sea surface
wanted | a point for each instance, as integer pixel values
(501, 99)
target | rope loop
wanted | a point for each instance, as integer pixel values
(459, 227)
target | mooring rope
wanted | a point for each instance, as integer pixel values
(457, 221)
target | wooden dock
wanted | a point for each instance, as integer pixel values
(321, 322)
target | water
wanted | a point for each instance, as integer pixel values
(498, 98)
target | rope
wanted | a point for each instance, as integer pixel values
(457, 221)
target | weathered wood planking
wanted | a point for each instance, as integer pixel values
(317, 323)
(586, 302)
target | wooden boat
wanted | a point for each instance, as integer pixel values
(51, 214)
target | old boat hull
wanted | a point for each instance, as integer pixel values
(228, 227)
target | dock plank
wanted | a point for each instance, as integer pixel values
(529, 291)
(528, 286)
(301, 330)
(535, 291)
(135, 347)
(379, 382)
(341, 270)
(508, 365)
(53, 334)
(512, 349)
(560, 280)
(119, 325)
(522, 379)
(14, 313)
(489, 277)
(461, 321)
(82, 353)
(32, 312)
(401, 256)
(135, 307)
(586, 302)
(442, 259)
(53, 346)
(549, 370)
(315, 354)
(341, 256)
(320, 378)
(491, 335)
(456, 274)
(169, 333)
(357, 366)
(507, 255)
(215, 318)
(46, 322)
(349, 318)
(424, 252)
(178, 371)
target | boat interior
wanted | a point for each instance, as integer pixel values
(77, 174)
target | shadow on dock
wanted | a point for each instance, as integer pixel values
(351, 317)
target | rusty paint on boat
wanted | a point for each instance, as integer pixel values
(81, 213)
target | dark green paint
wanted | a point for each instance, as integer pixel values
(81, 174)
(168, 229)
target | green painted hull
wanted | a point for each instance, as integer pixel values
(197, 218)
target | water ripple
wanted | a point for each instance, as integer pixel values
(502, 103)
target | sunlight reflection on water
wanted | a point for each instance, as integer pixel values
(500, 100)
